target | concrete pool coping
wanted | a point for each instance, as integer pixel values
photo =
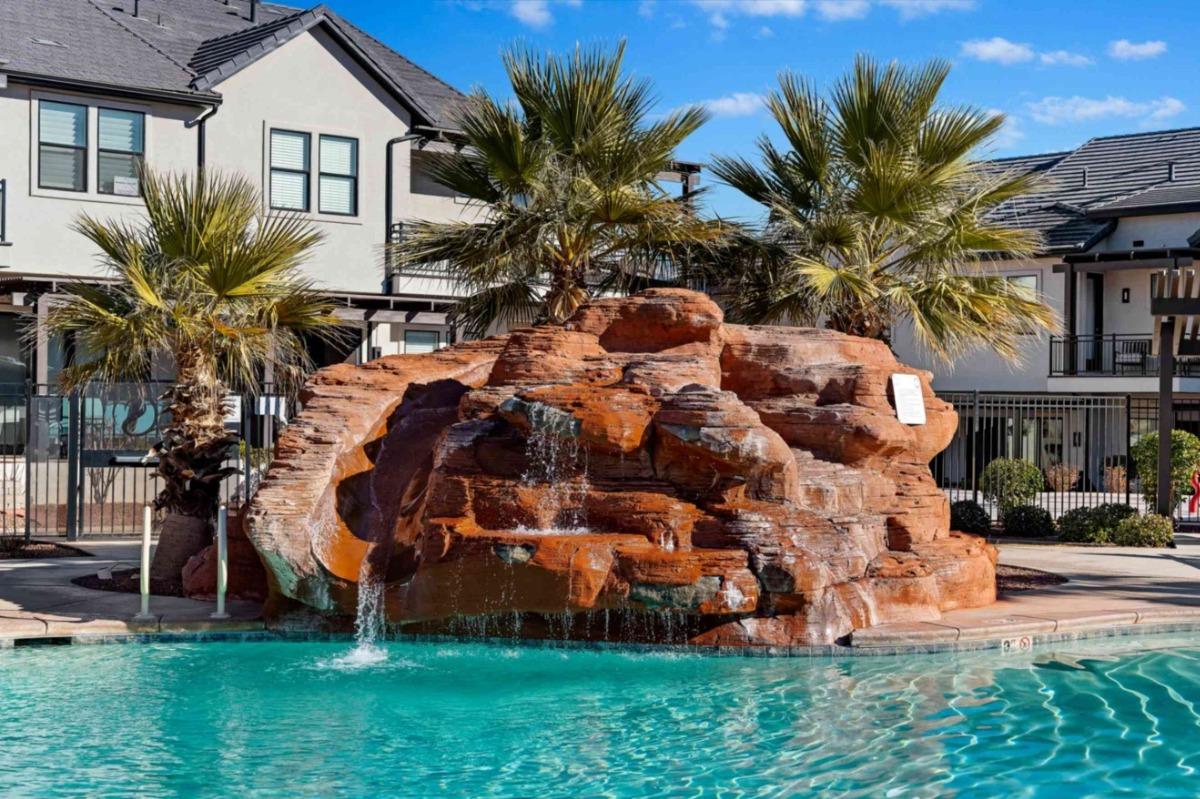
(1111, 591)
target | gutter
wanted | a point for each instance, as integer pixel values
(165, 95)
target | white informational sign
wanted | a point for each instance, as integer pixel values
(126, 186)
(910, 401)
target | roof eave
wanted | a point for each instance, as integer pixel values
(199, 97)
(1146, 210)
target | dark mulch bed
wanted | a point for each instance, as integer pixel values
(17, 549)
(1018, 578)
(127, 581)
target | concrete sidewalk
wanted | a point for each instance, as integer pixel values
(1109, 588)
(37, 598)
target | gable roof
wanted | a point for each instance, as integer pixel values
(184, 48)
(1084, 191)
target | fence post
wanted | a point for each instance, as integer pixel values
(222, 562)
(73, 487)
(28, 458)
(971, 446)
(247, 422)
(1128, 444)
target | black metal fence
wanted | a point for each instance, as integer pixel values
(1081, 444)
(80, 463)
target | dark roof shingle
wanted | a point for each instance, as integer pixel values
(187, 46)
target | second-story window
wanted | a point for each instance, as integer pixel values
(289, 170)
(337, 184)
(62, 146)
(121, 145)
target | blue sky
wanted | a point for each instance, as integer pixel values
(1063, 71)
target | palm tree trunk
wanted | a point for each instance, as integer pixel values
(192, 458)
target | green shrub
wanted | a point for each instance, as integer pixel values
(969, 516)
(1150, 530)
(1028, 521)
(1010, 482)
(1092, 525)
(1185, 457)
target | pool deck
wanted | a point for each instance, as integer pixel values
(39, 601)
(1111, 591)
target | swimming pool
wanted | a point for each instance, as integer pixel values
(433, 720)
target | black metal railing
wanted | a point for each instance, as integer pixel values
(3, 210)
(1110, 354)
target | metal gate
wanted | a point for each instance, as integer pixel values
(79, 463)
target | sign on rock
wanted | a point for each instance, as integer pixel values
(910, 402)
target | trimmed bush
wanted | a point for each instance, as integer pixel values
(969, 516)
(1092, 525)
(1185, 457)
(1061, 476)
(1150, 530)
(1010, 482)
(1028, 521)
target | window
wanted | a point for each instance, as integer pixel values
(337, 183)
(289, 170)
(62, 146)
(420, 341)
(120, 147)
(1027, 282)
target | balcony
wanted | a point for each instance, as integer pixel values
(1110, 355)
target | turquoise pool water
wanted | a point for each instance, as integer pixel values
(434, 720)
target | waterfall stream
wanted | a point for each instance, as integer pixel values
(556, 459)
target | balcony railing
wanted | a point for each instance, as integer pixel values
(1110, 355)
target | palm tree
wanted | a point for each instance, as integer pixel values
(565, 177)
(212, 282)
(878, 214)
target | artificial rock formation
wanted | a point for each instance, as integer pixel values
(644, 472)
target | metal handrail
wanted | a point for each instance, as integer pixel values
(1110, 355)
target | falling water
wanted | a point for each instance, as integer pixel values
(556, 458)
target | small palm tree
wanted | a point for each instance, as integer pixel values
(565, 177)
(215, 284)
(877, 214)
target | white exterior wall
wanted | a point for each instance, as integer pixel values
(308, 84)
(982, 369)
(39, 220)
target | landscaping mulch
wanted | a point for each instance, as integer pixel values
(1018, 578)
(18, 549)
(127, 581)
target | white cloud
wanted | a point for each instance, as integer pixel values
(997, 50)
(1066, 110)
(1065, 57)
(765, 32)
(835, 10)
(910, 9)
(1126, 50)
(536, 13)
(738, 104)
(646, 8)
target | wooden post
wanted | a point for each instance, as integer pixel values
(1166, 407)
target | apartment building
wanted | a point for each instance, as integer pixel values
(330, 122)
(1110, 213)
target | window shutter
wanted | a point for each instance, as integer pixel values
(62, 123)
(289, 190)
(338, 156)
(121, 130)
(289, 150)
(337, 195)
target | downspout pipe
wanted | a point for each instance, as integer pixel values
(198, 122)
(389, 163)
